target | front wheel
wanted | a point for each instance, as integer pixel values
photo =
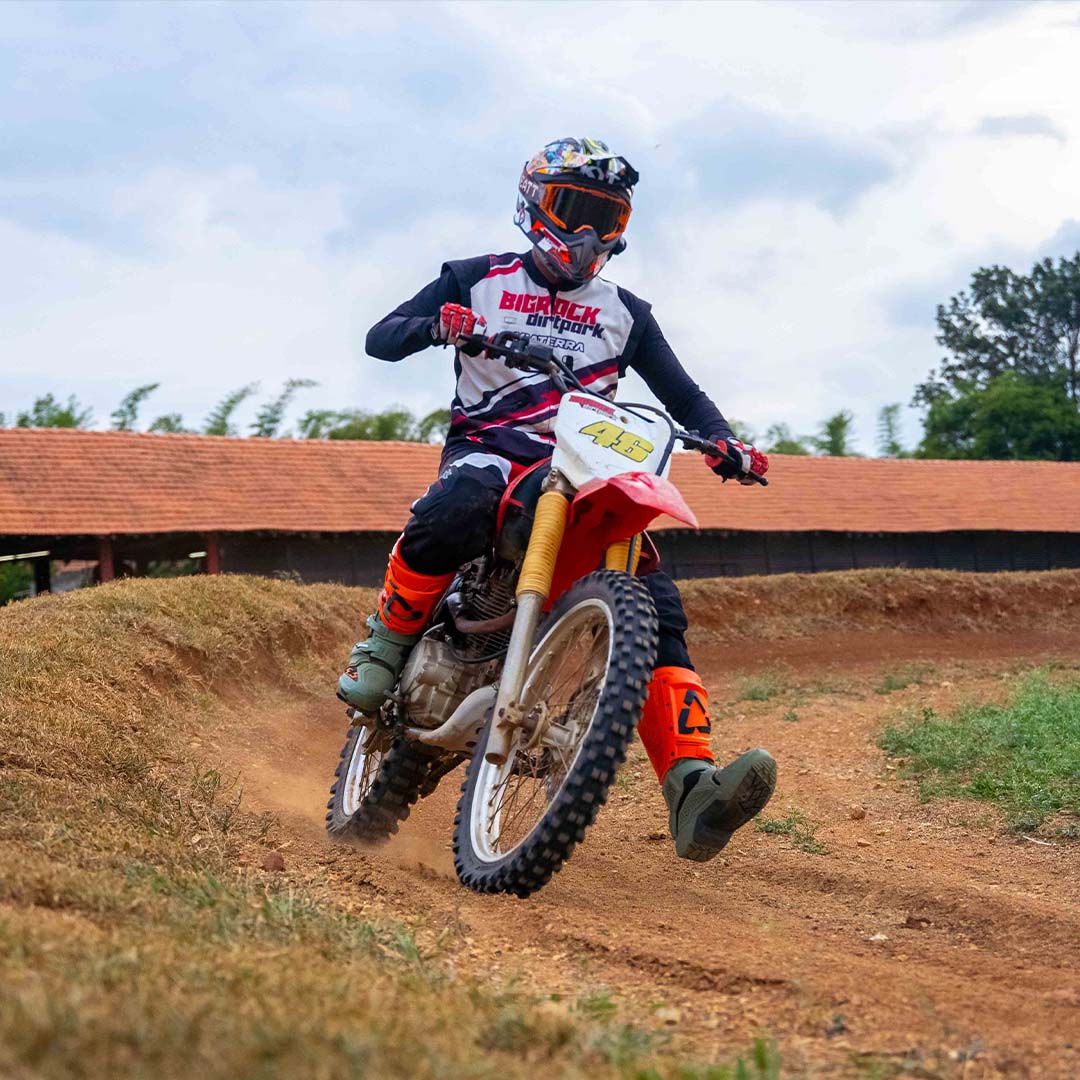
(586, 685)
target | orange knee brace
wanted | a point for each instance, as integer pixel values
(408, 598)
(675, 722)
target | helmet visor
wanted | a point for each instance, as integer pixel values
(576, 208)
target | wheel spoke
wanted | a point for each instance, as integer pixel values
(567, 680)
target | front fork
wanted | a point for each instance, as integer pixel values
(533, 589)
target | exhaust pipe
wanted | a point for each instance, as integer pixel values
(462, 731)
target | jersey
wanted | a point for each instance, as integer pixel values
(603, 329)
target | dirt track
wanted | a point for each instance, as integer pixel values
(925, 936)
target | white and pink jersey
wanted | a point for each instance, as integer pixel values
(601, 328)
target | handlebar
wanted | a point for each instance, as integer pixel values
(521, 352)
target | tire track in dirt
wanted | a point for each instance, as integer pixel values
(923, 931)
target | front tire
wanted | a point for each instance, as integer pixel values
(519, 822)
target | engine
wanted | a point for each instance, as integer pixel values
(434, 683)
(440, 674)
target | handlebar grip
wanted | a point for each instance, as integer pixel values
(470, 344)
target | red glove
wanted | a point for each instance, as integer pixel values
(753, 461)
(455, 320)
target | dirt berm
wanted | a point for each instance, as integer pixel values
(169, 905)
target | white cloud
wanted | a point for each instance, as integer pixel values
(289, 173)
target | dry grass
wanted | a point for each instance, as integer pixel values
(135, 937)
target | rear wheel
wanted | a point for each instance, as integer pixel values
(378, 778)
(588, 677)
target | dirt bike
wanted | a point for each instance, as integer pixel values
(537, 662)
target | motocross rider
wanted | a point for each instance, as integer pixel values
(573, 204)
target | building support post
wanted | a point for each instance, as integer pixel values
(106, 570)
(42, 576)
(213, 554)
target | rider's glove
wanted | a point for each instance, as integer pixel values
(454, 320)
(753, 461)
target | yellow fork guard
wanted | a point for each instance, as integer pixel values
(549, 525)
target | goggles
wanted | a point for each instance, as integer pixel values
(576, 208)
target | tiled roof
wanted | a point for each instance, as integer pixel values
(62, 482)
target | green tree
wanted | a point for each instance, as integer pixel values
(780, 440)
(433, 427)
(888, 432)
(394, 423)
(219, 420)
(1008, 322)
(47, 412)
(268, 418)
(125, 415)
(1009, 417)
(834, 436)
(170, 423)
(744, 432)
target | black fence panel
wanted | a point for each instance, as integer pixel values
(718, 553)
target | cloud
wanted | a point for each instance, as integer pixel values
(215, 195)
(1065, 241)
(1029, 126)
(741, 155)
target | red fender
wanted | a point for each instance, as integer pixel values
(606, 511)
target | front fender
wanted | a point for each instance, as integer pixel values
(608, 510)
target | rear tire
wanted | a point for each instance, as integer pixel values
(373, 793)
(570, 780)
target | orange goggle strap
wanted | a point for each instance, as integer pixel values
(551, 191)
(408, 598)
(675, 722)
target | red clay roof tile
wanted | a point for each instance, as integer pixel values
(57, 482)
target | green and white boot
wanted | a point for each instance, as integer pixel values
(708, 804)
(374, 667)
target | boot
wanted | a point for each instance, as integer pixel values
(405, 606)
(374, 667)
(706, 804)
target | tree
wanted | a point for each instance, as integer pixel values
(1010, 417)
(126, 413)
(1007, 322)
(743, 432)
(268, 418)
(888, 432)
(169, 423)
(217, 423)
(395, 423)
(780, 440)
(433, 427)
(47, 412)
(834, 437)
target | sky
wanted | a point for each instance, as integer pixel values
(207, 195)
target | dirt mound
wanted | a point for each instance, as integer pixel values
(939, 601)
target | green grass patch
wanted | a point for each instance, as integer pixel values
(798, 828)
(1023, 755)
(763, 686)
(903, 677)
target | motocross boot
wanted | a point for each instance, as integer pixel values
(706, 804)
(405, 606)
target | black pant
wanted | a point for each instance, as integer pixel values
(454, 522)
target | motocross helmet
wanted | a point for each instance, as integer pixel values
(573, 205)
